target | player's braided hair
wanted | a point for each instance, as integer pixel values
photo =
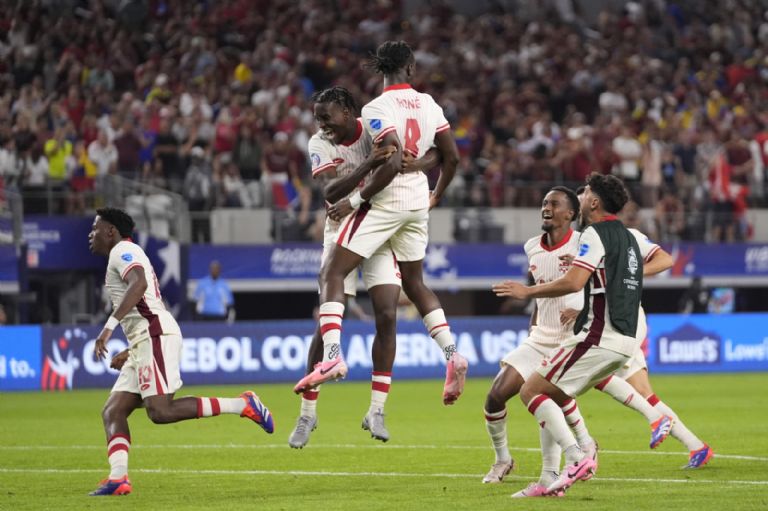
(572, 198)
(610, 189)
(338, 95)
(390, 57)
(119, 218)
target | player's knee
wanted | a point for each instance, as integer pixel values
(158, 415)
(495, 401)
(386, 317)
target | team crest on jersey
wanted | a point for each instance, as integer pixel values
(632, 263)
(315, 159)
(127, 258)
(375, 124)
(583, 249)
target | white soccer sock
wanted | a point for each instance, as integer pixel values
(626, 394)
(679, 430)
(550, 457)
(309, 402)
(117, 453)
(438, 329)
(575, 421)
(331, 314)
(213, 406)
(496, 425)
(380, 383)
(550, 417)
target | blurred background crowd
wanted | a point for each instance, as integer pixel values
(210, 100)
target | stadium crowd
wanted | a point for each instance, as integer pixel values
(211, 100)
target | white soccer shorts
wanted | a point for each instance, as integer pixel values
(526, 358)
(379, 269)
(152, 368)
(368, 228)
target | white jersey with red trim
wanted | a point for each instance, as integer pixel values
(343, 158)
(545, 265)
(416, 118)
(148, 318)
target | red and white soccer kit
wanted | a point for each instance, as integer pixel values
(400, 212)
(154, 337)
(381, 267)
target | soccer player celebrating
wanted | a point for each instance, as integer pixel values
(342, 156)
(393, 206)
(558, 209)
(609, 265)
(149, 368)
(631, 384)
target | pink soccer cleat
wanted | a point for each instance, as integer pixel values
(324, 371)
(591, 451)
(537, 490)
(580, 471)
(455, 374)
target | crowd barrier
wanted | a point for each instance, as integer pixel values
(61, 357)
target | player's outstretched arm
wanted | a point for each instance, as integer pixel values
(660, 261)
(573, 281)
(449, 154)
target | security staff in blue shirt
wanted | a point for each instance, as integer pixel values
(213, 297)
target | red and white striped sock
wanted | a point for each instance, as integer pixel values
(496, 425)
(626, 394)
(331, 314)
(117, 453)
(438, 329)
(213, 406)
(575, 421)
(380, 383)
(550, 417)
(309, 402)
(679, 430)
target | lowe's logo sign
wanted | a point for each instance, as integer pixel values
(688, 345)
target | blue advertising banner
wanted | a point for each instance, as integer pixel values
(20, 358)
(216, 353)
(61, 357)
(9, 269)
(707, 343)
(59, 243)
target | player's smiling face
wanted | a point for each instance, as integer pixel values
(556, 211)
(334, 121)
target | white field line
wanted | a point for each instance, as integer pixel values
(355, 446)
(8, 470)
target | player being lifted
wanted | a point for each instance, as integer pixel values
(394, 207)
(149, 368)
(609, 267)
(342, 156)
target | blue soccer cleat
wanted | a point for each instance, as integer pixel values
(112, 487)
(660, 430)
(700, 457)
(257, 411)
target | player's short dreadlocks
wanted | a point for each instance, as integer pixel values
(390, 57)
(119, 218)
(338, 95)
(572, 198)
(610, 189)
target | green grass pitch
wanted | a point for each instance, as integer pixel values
(52, 453)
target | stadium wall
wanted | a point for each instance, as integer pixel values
(61, 357)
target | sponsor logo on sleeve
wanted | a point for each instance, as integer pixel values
(127, 258)
(583, 249)
(315, 160)
(375, 124)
